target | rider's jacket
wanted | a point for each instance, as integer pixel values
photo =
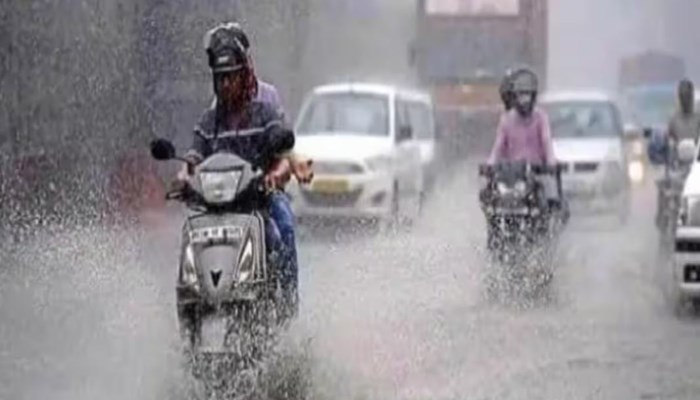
(684, 126)
(249, 135)
(523, 139)
(267, 93)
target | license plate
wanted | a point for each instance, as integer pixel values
(330, 186)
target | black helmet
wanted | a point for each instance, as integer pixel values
(525, 86)
(225, 49)
(524, 80)
(686, 96)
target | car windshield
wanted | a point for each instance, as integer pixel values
(650, 108)
(364, 114)
(582, 119)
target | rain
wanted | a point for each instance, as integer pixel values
(90, 248)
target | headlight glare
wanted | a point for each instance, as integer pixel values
(635, 170)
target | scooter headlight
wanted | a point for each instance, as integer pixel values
(219, 187)
(188, 272)
(518, 189)
(246, 262)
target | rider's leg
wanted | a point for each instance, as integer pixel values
(281, 212)
(283, 218)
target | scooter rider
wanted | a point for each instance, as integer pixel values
(685, 124)
(280, 209)
(663, 149)
(240, 124)
(523, 133)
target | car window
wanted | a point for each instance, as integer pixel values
(402, 117)
(343, 113)
(421, 119)
(583, 119)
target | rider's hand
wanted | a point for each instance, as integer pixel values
(301, 168)
(279, 174)
(178, 185)
(184, 173)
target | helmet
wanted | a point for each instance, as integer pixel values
(225, 48)
(525, 86)
(686, 95)
(524, 80)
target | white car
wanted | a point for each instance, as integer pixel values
(421, 116)
(687, 239)
(588, 138)
(367, 162)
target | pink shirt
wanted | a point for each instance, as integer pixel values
(523, 139)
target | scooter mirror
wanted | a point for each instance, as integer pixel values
(162, 149)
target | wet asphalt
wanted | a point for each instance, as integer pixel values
(88, 313)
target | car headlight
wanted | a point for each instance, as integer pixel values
(379, 163)
(219, 187)
(188, 271)
(635, 171)
(245, 263)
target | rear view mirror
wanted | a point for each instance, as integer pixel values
(162, 149)
(686, 151)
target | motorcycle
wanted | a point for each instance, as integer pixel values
(669, 187)
(521, 221)
(230, 302)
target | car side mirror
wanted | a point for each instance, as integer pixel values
(686, 151)
(162, 149)
(405, 133)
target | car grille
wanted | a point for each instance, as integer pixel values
(586, 167)
(332, 200)
(337, 168)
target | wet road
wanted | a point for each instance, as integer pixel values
(406, 317)
(88, 314)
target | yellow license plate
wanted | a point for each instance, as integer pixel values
(330, 186)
